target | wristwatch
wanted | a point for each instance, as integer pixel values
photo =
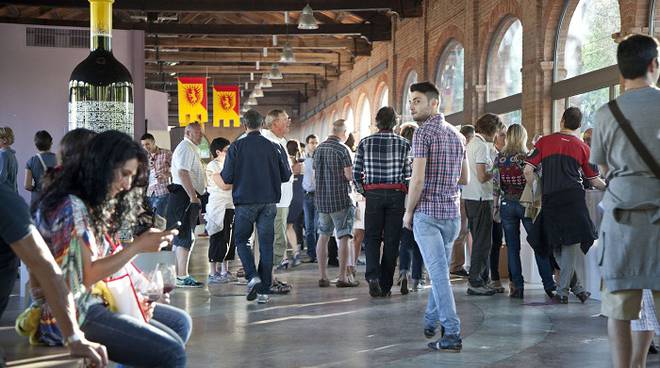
(77, 336)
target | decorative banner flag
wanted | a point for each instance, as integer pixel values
(226, 102)
(192, 100)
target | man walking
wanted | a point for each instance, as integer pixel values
(333, 173)
(256, 169)
(381, 174)
(439, 166)
(184, 205)
(630, 230)
(309, 186)
(160, 162)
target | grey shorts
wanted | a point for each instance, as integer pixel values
(340, 222)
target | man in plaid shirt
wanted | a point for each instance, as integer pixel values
(439, 166)
(160, 163)
(381, 174)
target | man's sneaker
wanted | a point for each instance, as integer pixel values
(231, 277)
(448, 343)
(583, 296)
(480, 290)
(297, 260)
(374, 289)
(188, 282)
(460, 273)
(497, 286)
(429, 332)
(346, 284)
(416, 285)
(263, 298)
(403, 281)
(252, 288)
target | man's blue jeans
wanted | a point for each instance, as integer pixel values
(435, 239)
(158, 204)
(245, 216)
(159, 343)
(311, 219)
(512, 213)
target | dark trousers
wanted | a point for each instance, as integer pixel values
(383, 221)
(221, 245)
(495, 251)
(480, 222)
(409, 252)
(311, 219)
(264, 217)
(8, 276)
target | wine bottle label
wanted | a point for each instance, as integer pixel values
(101, 17)
(100, 116)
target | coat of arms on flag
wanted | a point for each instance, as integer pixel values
(226, 102)
(192, 100)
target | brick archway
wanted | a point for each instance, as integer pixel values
(503, 11)
(449, 34)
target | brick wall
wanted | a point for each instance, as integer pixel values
(418, 43)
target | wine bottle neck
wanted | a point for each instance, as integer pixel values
(100, 12)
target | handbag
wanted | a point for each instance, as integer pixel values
(642, 151)
(122, 288)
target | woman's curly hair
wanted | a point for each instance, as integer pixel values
(90, 177)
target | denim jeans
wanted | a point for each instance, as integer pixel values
(245, 216)
(158, 204)
(159, 343)
(383, 221)
(435, 238)
(409, 249)
(311, 219)
(512, 214)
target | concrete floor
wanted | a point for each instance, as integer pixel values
(332, 327)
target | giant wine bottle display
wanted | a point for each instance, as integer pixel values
(100, 87)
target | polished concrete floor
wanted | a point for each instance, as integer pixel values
(313, 327)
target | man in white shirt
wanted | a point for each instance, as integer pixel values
(184, 204)
(478, 196)
(276, 127)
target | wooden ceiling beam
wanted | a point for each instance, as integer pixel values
(243, 57)
(231, 69)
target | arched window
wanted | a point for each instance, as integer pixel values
(349, 119)
(384, 97)
(504, 77)
(585, 72)
(449, 78)
(365, 117)
(410, 80)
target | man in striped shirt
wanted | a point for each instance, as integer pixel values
(381, 174)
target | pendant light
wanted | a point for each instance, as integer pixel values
(258, 92)
(287, 54)
(307, 20)
(275, 73)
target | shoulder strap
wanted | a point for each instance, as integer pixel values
(43, 164)
(634, 138)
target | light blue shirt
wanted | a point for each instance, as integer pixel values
(308, 183)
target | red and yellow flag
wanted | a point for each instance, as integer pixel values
(226, 102)
(192, 100)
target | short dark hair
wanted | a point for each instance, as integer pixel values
(43, 140)
(218, 144)
(408, 130)
(634, 54)
(572, 118)
(467, 130)
(253, 119)
(311, 136)
(427, 88)
(488, 124)
(147, 136)
(293, 147)
(385, 118)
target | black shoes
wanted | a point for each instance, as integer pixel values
(374, 289)
(448, 343)
(551, 292)
(516, 293)
(583, 296)
(460, 273)
(430, 332)
(404, 283)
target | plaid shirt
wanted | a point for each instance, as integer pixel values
(159, 167)
(332, 187)
(382, 158)
(443, 147)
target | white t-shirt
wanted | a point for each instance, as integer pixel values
(287, 188)
(479, 151)
(215, 192)
(186, 157)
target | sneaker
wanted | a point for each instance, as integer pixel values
(218, 278)
(296, 260)
(324, 283)
(416, 285)
(188, 282)
(374, 289)
(583, 296)
(231, 277)
(429, 332)
(335, 280)
(460, 273)
(448, 343)
(263, 298)
(252, 288)
(480, 290)
(403, 281)
(497, 286)
(346, 284)
(360, 262)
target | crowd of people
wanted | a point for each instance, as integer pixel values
(426, 193)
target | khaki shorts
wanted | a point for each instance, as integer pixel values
(624, 305)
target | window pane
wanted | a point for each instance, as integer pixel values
(349, 121)
(588, 103)
(384, 98)
(449, 78)
(504, 64)
(513, 117)
(365, 118)
(589, 45)
(410, 80)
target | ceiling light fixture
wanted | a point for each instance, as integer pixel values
(258, 92)
(287, 54)
(252, 101)
(307, 20)
(265, 82)
(275, 73)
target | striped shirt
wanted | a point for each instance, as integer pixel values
(159, 172)
(332, 187)
(443, 147)
(382, 158)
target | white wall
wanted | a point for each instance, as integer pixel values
(34, 86)
(156, 109)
